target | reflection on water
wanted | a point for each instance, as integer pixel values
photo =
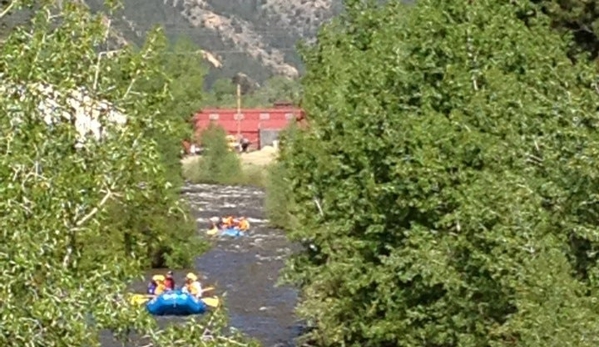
(244, 269)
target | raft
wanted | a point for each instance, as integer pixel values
(175, 303)
(232, 232)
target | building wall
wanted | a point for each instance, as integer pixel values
(249, 122)
(268, 136)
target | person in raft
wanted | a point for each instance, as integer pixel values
(169, 282)
(242, 224)
(156, 286)
(192, 285)
(216, 223)
(227, 222)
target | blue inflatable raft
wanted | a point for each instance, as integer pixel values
(175, 303)
(231, 232)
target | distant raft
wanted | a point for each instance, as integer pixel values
(230, 232)
(175, 303)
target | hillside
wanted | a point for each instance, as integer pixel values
(255, 37)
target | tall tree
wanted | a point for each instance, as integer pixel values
(60, 254)
(170, 239)
(445, 188)
(184, 71)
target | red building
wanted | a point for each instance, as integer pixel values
(260, 126)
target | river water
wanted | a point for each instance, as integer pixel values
(244, 269)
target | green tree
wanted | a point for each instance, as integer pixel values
(184, 72)
(578, 17)
(60, 254)
(278, 88)
(170, 239)
(278, 202)
(446, 187)
(218, 165)
(222, 94)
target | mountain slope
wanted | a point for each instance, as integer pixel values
(254, 37)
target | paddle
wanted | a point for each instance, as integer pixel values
(213, 302)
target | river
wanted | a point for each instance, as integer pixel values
(245, 269)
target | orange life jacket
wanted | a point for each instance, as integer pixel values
(244, 225)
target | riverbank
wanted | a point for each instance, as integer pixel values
(251, 169)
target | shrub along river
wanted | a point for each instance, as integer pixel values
(245, 269)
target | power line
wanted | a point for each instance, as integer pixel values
(185, 25)
(189, 25)
(193, 34)
(265, 33)
(288, 49)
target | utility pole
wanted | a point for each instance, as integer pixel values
(238, 111)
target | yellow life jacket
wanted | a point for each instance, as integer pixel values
(212, 231)
(192, 288)
(160, 288)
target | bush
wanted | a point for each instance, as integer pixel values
(277, 203)
(169, 236)
(218, 165)
(254, 175)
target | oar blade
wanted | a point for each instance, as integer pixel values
(139, 299)
(212, 302)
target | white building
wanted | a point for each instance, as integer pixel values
(78, 108)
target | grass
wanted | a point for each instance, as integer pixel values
(198, 170)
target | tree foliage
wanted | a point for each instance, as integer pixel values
(62, 256)
(223, 93)
(185, 67)
(578, 17)
(181, 79)
(446, 188)
(218, 164)
(169, 238)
